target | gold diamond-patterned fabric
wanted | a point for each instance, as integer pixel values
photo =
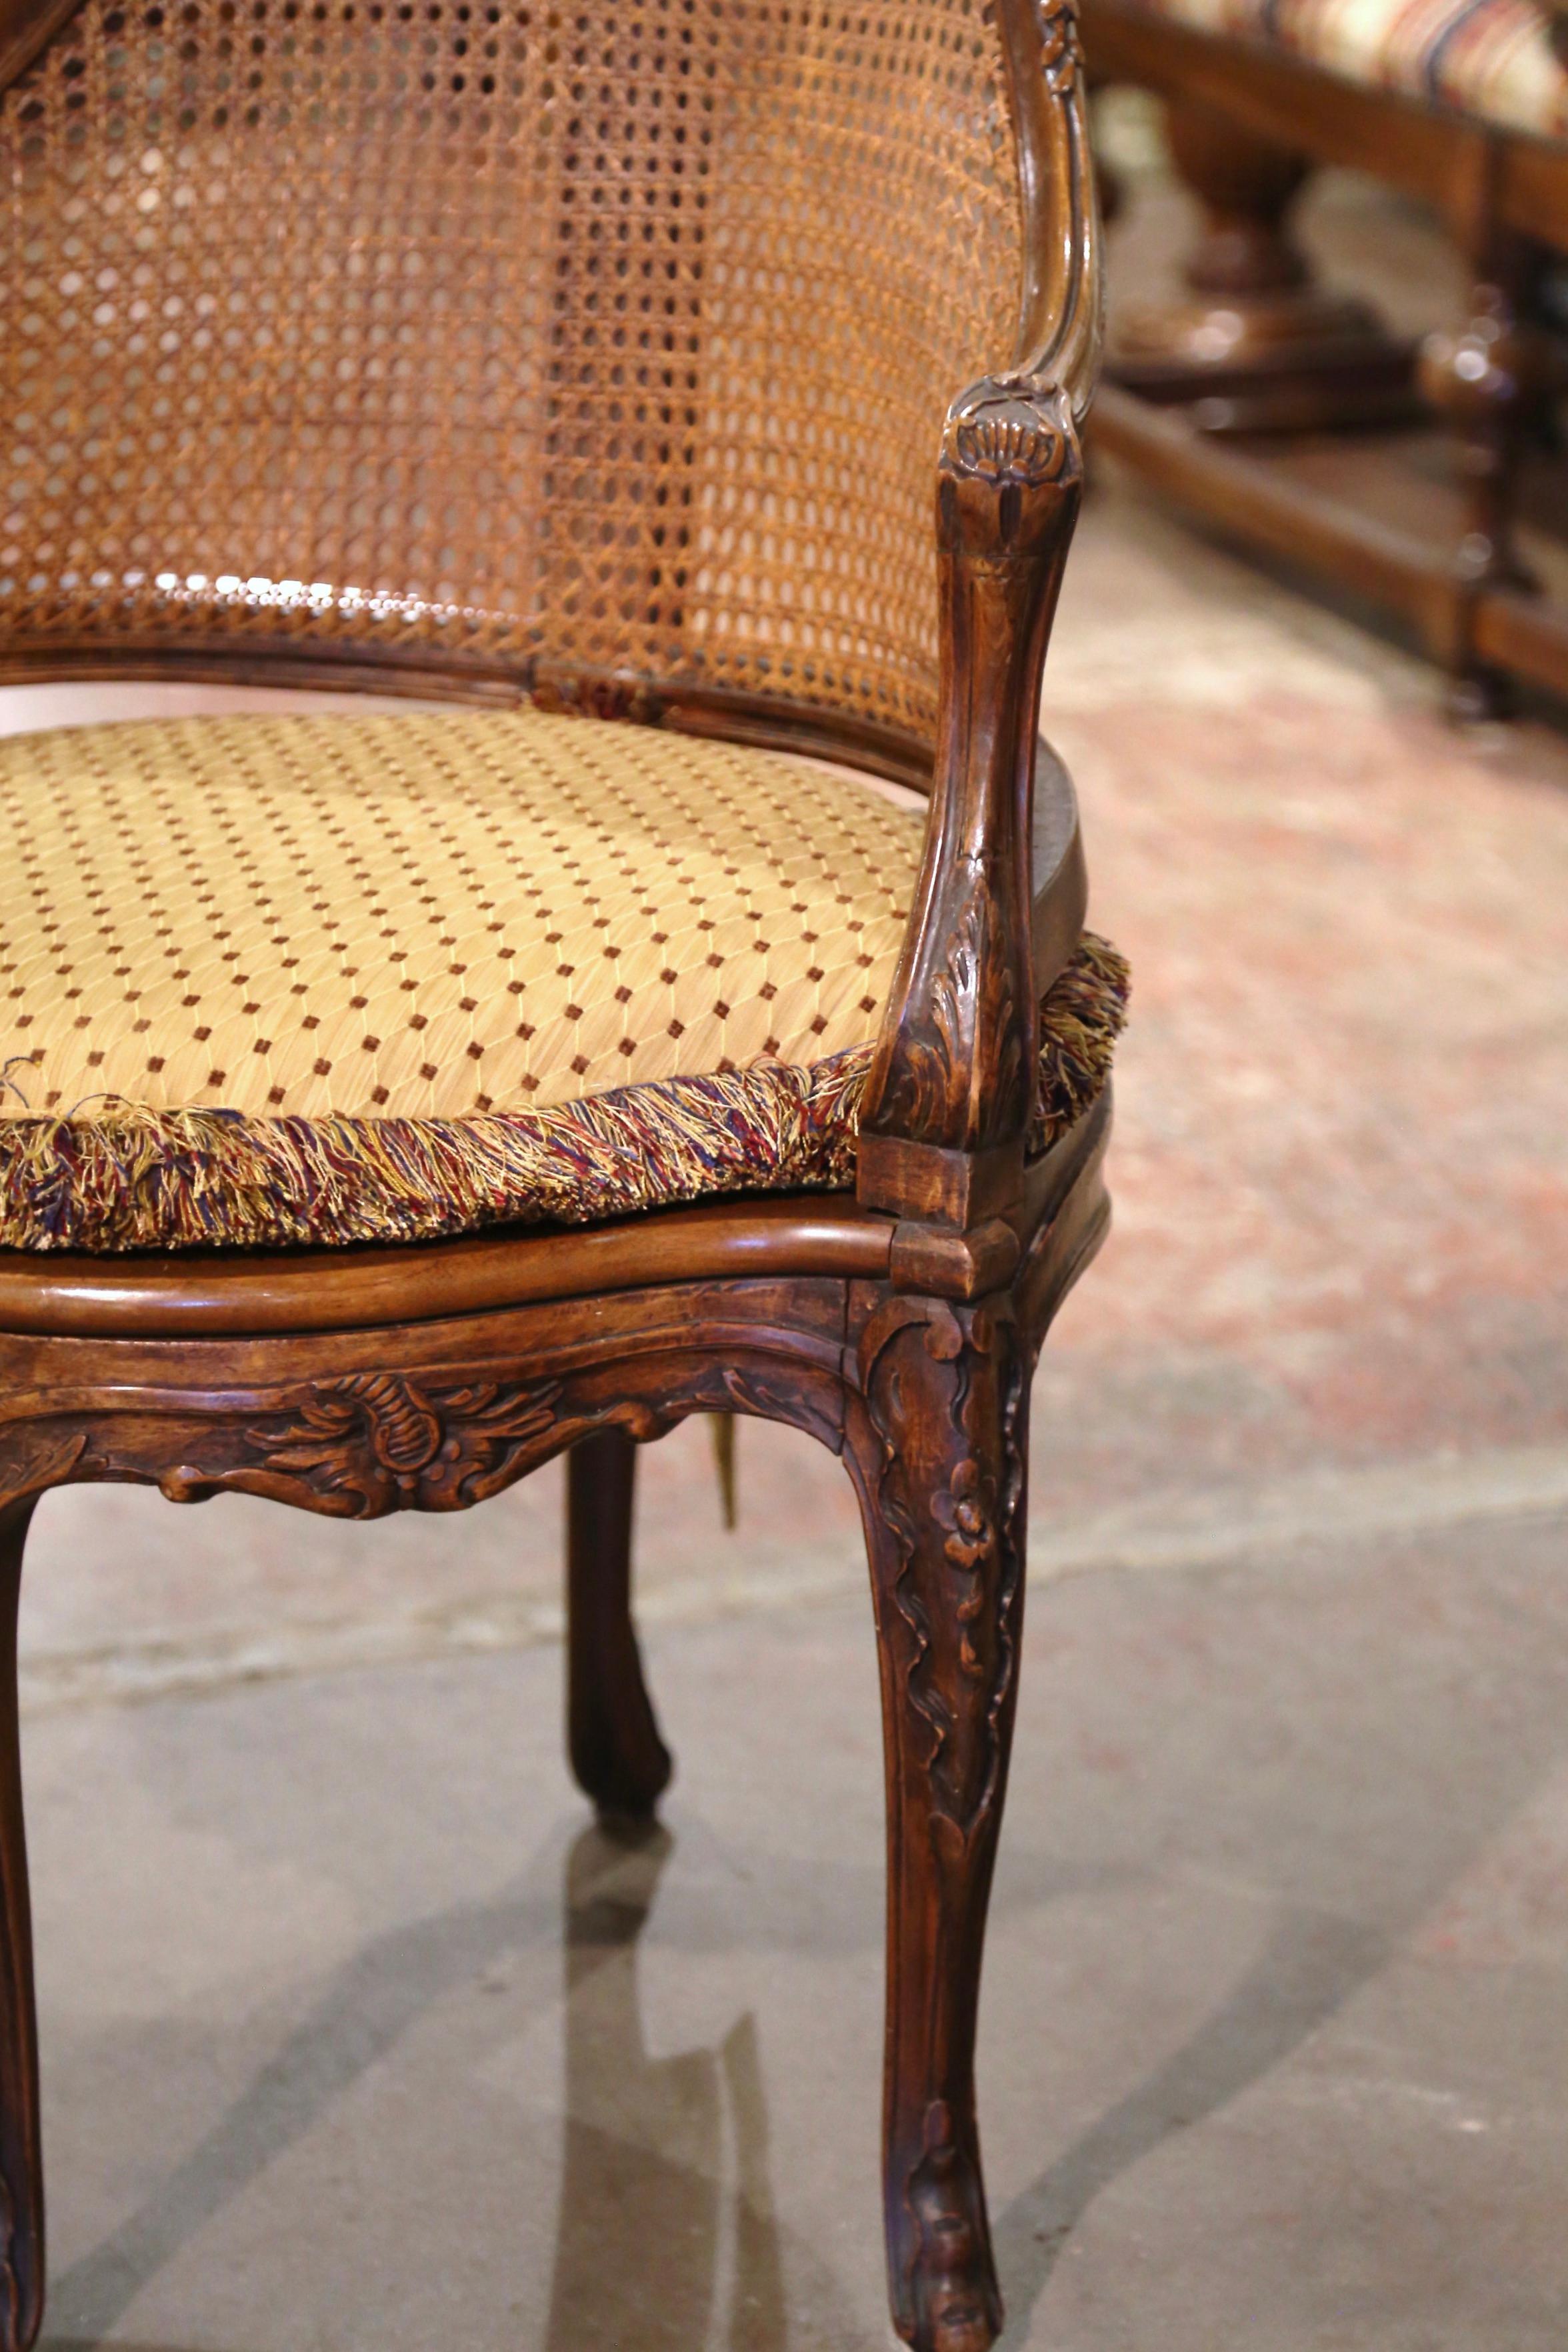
(428, 914)
(616, 338)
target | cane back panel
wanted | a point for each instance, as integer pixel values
(614, 337)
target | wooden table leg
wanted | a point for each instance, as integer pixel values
(1256, 342)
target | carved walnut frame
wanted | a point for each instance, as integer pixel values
(899, 1328)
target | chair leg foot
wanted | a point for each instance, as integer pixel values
(939, 1467)
(616, 1753)
(21, 2157)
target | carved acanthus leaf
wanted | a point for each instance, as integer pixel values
(774, 1398)
(973, 989)
(1061, 49)
(32, 1460)
(953, 1517)
(388, 1443)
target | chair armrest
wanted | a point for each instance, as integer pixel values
(951, 1089)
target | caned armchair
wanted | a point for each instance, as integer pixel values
(396, 1099)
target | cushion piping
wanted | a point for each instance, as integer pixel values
(128, 1178)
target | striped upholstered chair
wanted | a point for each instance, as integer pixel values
(1497, 62)
(696, 1017)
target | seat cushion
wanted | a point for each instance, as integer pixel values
(290, 980)
(1491, 58)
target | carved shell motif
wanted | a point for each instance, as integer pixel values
(1011, 429)
(404, 1430)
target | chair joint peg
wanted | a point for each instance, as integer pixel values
(946, 1264)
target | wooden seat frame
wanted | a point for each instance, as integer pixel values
(900, 1326)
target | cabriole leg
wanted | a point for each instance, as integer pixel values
(616, 1753)
(21, 2156)
(940, 1466)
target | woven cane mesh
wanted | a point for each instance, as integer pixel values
(429, 915)
(616, 338)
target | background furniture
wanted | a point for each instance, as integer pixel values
(612, 369)
(1425, 480)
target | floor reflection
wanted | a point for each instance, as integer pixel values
(665, 2234)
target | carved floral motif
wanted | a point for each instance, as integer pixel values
(966, 1509)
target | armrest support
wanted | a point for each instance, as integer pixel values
(949, 1096)
(954, 1064)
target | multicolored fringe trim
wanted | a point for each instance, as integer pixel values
(128, 1178)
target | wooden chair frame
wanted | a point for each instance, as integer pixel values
(898, 1327)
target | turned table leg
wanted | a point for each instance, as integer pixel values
(1488, 381)
(1256, 344)
(613, 1737)
(941, 1471)
(21, 2157)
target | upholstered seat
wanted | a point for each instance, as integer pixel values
(352, 978)
(1491, 58)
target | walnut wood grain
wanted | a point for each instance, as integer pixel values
(1059, 868)
(685, 706)
(317, 1290)
(690, 707)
